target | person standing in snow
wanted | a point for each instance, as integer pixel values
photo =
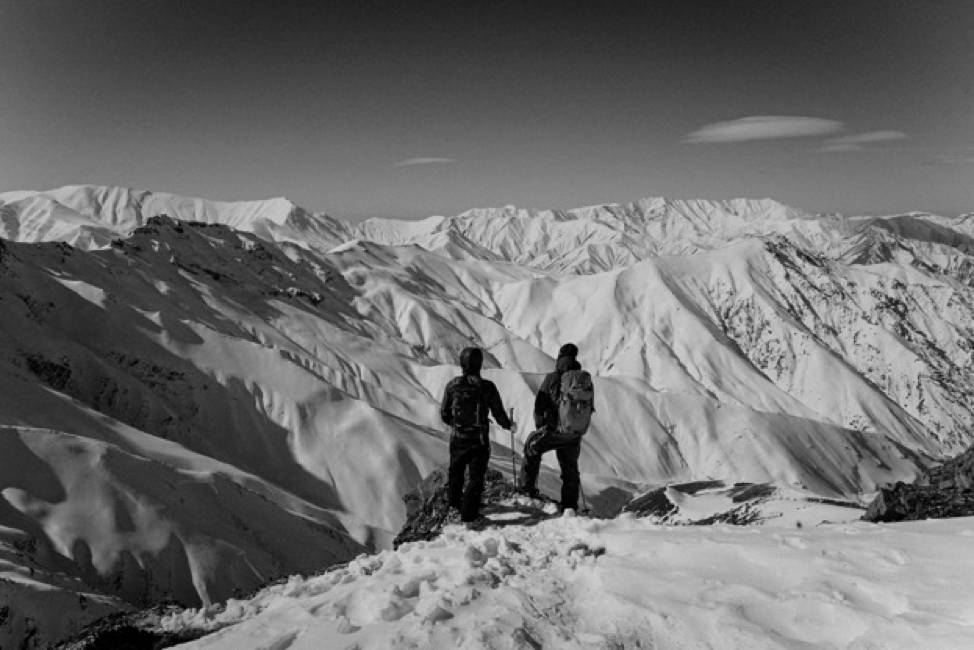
(555, 429)
(467, 400)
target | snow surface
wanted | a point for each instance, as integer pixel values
(586, 583)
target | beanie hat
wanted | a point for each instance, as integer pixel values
(471, 360)
(568, 350)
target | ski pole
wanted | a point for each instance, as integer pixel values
(513, 454)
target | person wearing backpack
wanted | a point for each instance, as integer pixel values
(467, 400)
(562, 411)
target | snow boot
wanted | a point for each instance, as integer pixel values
(530, 492)
(452, 517)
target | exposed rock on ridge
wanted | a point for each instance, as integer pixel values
(943, 491)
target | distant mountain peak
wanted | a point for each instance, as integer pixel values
(89, 216)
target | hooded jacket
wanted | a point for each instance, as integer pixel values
(546, 402)
(471, 361)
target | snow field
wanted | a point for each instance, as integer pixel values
(575, 582)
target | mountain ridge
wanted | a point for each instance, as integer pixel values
(580, 240)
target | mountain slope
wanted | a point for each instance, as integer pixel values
(283, 370)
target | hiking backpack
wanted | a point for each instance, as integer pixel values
(469, 408)
(576, 402)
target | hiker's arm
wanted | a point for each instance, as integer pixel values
(497, 408)
(445, 413)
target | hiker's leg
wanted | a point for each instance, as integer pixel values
(570, 479)
(458, 462)
(479, 456)
(532, 462)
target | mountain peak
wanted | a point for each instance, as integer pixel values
(89, 216)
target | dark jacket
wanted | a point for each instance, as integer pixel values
(471, 360)
(546, 402)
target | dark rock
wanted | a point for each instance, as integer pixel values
(651, 504)
(750, 491)
(746, 497)
(427, 506)
(744, 515)
(130, 631)
(432, 486)
(656, 504)
(943, 491)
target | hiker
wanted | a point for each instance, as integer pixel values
(562, 411)
(466, 403)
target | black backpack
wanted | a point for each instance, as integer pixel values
(469, 408)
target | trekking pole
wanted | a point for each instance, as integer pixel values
(581, 491)
(513, 454)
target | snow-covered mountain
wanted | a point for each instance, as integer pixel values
(196, 404)
(604, 237)
(89, 217)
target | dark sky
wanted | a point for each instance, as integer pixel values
(408, 109)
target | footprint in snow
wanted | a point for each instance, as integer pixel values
(280, 643)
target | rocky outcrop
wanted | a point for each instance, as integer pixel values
(427, 506)
(703, 503)
(658, 503)
(943, 491)
(908, 502)
(140, 630)
(956, 474)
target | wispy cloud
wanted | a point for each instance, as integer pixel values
(860, 141)
(953, 160)
(762, 127)
(409, 162)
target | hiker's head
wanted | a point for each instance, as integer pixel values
(471, 359)
(569, 350)
(566, 358)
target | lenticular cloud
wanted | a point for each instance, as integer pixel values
(859, 141)
(425, 160)
(762, 127)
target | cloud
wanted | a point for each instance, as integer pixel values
(840, 148)
(953, 160)
(762, 127)
(409, 162)
(860, 141)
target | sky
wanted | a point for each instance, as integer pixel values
(407, 109)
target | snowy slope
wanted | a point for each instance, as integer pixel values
(288, 364)
(582, 583)
(91, 528)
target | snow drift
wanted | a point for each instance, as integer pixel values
(583, 583)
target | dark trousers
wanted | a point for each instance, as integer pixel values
(472, 453)
(568, 450)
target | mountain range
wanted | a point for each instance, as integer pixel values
(200, 396)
